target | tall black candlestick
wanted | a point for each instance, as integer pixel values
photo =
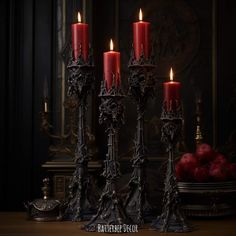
(141, 88)
(81, 201)
(110, 211)
(171, 218)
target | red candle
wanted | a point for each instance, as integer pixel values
(141, 37)
(80, 38)
(111, 67)
(171, 92)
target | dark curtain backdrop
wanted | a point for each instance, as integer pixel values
(26, 56)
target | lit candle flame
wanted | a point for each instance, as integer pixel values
(111, 45)
(171, 74)
(79, 17)
(140, 14)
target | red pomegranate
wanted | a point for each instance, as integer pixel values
(220, 159)
(204, 153)
(188, 162)
(201, 174)
(218, 172)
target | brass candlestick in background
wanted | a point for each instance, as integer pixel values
(62, 143)
(198, 134)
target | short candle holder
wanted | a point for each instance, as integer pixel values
(171, 218)
(141, 88)
(81, 201)
(110, 211)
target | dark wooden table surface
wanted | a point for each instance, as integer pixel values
(15, 223)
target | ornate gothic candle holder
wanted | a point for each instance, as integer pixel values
(110, 211)
(141, 88)
(81, 202)
(171, 218)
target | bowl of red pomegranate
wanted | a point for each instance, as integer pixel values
(207, 183)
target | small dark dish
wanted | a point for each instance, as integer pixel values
(214, 199)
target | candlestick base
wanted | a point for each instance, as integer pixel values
(175, 224)
(82, 201)
(172, 218)
(110, 211)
